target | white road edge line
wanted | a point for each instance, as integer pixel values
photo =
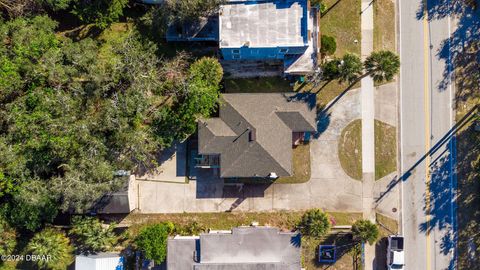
(401, 116)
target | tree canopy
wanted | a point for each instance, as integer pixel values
(74, 112)
(100, 12)
(8, 238)
(190, 10)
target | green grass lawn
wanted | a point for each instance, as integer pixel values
(387, 225)
(326, 92)
(385, 149)
(384, 25)
(342, 21)
(301, 166)
(226, 220)
(345, 253)
(257, 85)
(350, 149)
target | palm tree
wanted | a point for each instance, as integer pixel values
(365, 231)
(350, 68)
(91, 236)
(382, 65)
(315, 223)
(54, 247)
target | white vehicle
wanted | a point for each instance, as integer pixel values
(395, 253)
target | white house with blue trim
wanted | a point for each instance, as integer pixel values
(260, 30)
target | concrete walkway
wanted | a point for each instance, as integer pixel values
(368, 121)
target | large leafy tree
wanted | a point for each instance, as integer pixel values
(152, 241)
(198, 98)
(53, 244)
(31, 206)
(100, 12)
(72, 113)
(382, 65)
(91, 235)
(190, 10)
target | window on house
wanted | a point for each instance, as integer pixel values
(236, 56)
(236, 51)
(283, 50)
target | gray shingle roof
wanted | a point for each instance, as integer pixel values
(268, 118)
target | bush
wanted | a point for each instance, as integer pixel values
(315, 223)
(53, 243)
(193, 228)
(328, 45)
(365, 231)
(152, 241)
(91, 236)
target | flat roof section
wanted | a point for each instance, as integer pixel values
(263, 24)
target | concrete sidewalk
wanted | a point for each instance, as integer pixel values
(368, 122)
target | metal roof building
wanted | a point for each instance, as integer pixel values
(244, 248)
(100, 261)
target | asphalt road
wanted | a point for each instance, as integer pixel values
(428, 210)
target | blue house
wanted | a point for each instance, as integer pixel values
(283, 30)
(262, 30)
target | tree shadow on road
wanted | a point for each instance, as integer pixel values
(460, 52)
(441, 200)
